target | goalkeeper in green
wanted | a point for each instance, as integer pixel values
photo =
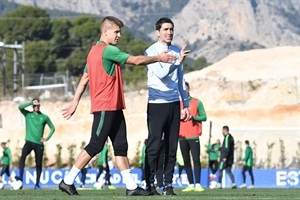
(248, 160)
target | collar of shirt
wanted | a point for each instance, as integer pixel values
(171, 49)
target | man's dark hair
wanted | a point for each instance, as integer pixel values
(226, 128)
(113, 20)
(35, 99)
(247, 142)
(187, 84)
(161, 21)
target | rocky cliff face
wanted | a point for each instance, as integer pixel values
(212, 29)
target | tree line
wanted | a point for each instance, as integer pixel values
(57, 45)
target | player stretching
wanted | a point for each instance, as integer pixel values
(103, 73)
(189, 141)
(227, 157)
(35, 124)
(248, 159)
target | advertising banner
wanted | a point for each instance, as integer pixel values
(264, 178)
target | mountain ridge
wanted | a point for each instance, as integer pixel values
(212, 29)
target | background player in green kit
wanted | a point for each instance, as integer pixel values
(35, 122)
(102, 164)
(6, 161)
(248, 160)
(213, 151)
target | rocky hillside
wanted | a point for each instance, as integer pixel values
(255, 92)
(212, 29)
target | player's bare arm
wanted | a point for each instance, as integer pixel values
(144, 60)
(70, 110)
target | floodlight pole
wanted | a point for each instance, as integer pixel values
(15, 48)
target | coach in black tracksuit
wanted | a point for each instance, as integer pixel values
(227, 156)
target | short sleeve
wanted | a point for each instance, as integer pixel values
(85, 69)
(114, 54)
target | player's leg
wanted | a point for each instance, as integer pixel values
(27, 148)
(83, 176)
(118, 137)
(245, 168)
(251, 175)
(100, 170)
(7, 171)
(215, 166)
(156, 118)
(195, 151)
(171, 141)
(38, 151)
(180, 169)
(107, 175)
(3, 171)
(102, 126)
(160, 165)
(185, 152)
(211, 166)
(230, 174)
(244, 173)
(221, 169)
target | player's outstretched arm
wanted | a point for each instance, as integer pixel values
(70, 110)
(144, 60)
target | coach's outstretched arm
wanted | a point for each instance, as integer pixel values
(144, 60)
(70, 110)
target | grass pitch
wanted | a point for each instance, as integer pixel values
(217, 194)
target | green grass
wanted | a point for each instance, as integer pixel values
(218, 194)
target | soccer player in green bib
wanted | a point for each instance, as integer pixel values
(104, 77)
(35, 122)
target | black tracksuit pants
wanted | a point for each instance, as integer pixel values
(162, 118)
(193, 146)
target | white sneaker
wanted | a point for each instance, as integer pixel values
(243, 186)
(251, 187)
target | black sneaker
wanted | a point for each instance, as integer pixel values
(152, 190)
(69, 189)
(138, 192)
(168, 191)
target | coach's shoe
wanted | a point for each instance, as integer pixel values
(152, 190)
(243, 185)
(138, 192)
(199, 188)
(189, 188)
(233, 186)
(37, 187)
(160, 189)
(168, 191)
(69, 189)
